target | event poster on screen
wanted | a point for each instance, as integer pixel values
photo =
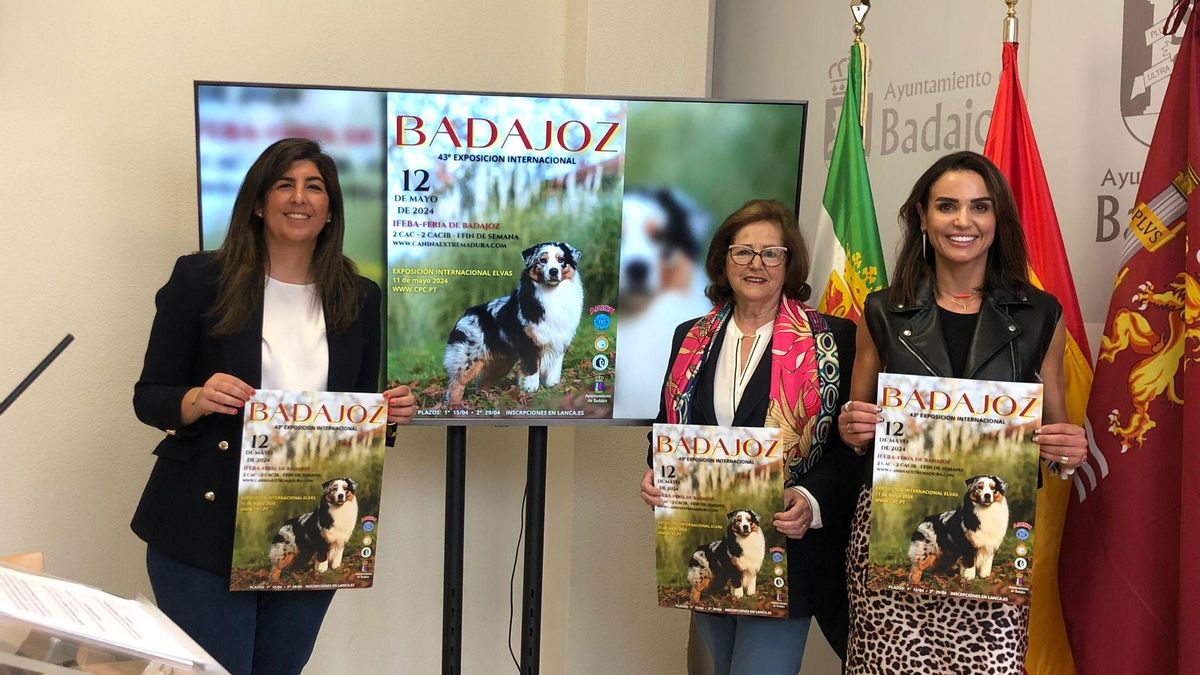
(535, 252)
(497, 207)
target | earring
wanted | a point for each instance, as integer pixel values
(924, 251)
(258, 213)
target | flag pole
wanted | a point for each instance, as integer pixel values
(859, 10)
(1010, 21)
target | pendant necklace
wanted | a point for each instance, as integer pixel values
(961, 299)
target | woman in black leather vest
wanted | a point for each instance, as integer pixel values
(960, 305)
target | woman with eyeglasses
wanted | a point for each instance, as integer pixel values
(761, 357)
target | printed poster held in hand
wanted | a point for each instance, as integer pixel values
(309, 491)
(955, 482)
(716, 549)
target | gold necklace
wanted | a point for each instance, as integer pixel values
(963, 300)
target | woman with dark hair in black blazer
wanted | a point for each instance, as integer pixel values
(279, 307)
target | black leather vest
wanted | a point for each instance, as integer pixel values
(1010, 342)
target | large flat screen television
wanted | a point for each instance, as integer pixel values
(535, 251)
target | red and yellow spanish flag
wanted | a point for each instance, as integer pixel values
(1131, 546)
(1012, 147)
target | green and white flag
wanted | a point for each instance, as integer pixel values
(847, 257)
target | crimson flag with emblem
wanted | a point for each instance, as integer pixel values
(1130, 539)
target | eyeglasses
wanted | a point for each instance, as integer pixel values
(772, 256)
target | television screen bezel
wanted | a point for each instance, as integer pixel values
(505, 421)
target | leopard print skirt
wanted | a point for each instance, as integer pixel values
(893, 632)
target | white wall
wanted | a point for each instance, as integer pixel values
(1073, 54)
(98, 184)
(1093, 141)
(782, 49)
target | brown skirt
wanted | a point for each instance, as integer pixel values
(895, 632)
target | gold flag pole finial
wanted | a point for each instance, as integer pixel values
(1010, 21)
(859, 9)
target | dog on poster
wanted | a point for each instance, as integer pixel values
(320, 535)
(531, 327)
(661, 283)
(734, 560)
(968, 536)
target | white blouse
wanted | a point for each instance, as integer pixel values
(295, 354)
(730, 379)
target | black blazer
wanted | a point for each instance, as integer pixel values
(817, 562)
(187, 509)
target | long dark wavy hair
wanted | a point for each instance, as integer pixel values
(243, 255)
(1007, 258)
(795, 276)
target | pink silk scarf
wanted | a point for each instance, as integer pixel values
(795, 395)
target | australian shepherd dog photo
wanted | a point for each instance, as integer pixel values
(320, 535)
(968, 536)
(733, 560)
(532, 327)
(661, 283)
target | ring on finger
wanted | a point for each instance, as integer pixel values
(1065, 459)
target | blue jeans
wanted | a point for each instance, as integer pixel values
(753, 645)
(264, 633)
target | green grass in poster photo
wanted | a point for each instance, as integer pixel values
(719, 154)
(419, 323)
(674, 551)
(256, 529)
(893, 524)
